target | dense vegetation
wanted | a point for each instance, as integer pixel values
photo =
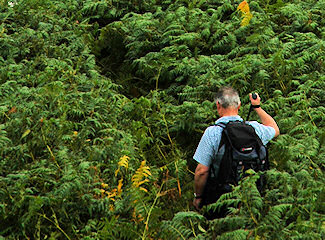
(103, 103)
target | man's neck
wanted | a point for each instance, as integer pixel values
(229, 115)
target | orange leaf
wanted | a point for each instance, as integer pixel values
(179, 188)
(119, 187)
(246, 19)
(111, 195)
(243, 7)
(143, 189)
(12, 110)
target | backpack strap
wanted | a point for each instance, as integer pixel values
(224, 125)
(212, 169)
(226, 166)
(220, 124)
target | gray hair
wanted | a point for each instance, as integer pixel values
(228, 97)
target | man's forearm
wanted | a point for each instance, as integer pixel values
(267, 120)
(199, 183)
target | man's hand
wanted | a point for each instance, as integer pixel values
(256, 101)
(196, 203)
(266, 119)
(200, 179)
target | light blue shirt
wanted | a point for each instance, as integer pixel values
(209, 143)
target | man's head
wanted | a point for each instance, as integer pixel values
(228, 101)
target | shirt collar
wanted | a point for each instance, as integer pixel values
(228, 118)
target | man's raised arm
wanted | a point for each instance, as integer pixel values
(266, 119)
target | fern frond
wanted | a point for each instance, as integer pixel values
(180, 226)
(239, 234)
(141, 174)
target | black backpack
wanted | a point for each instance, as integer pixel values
(240, 149)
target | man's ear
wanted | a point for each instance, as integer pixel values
(239, 105)
(218, 105)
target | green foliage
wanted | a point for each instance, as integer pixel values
(182, 227)
(103, 102)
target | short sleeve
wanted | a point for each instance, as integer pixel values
(266, 133)
(206, 149)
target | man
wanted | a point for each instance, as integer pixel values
(228, 104)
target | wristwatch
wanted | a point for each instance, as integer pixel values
(196, 196)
